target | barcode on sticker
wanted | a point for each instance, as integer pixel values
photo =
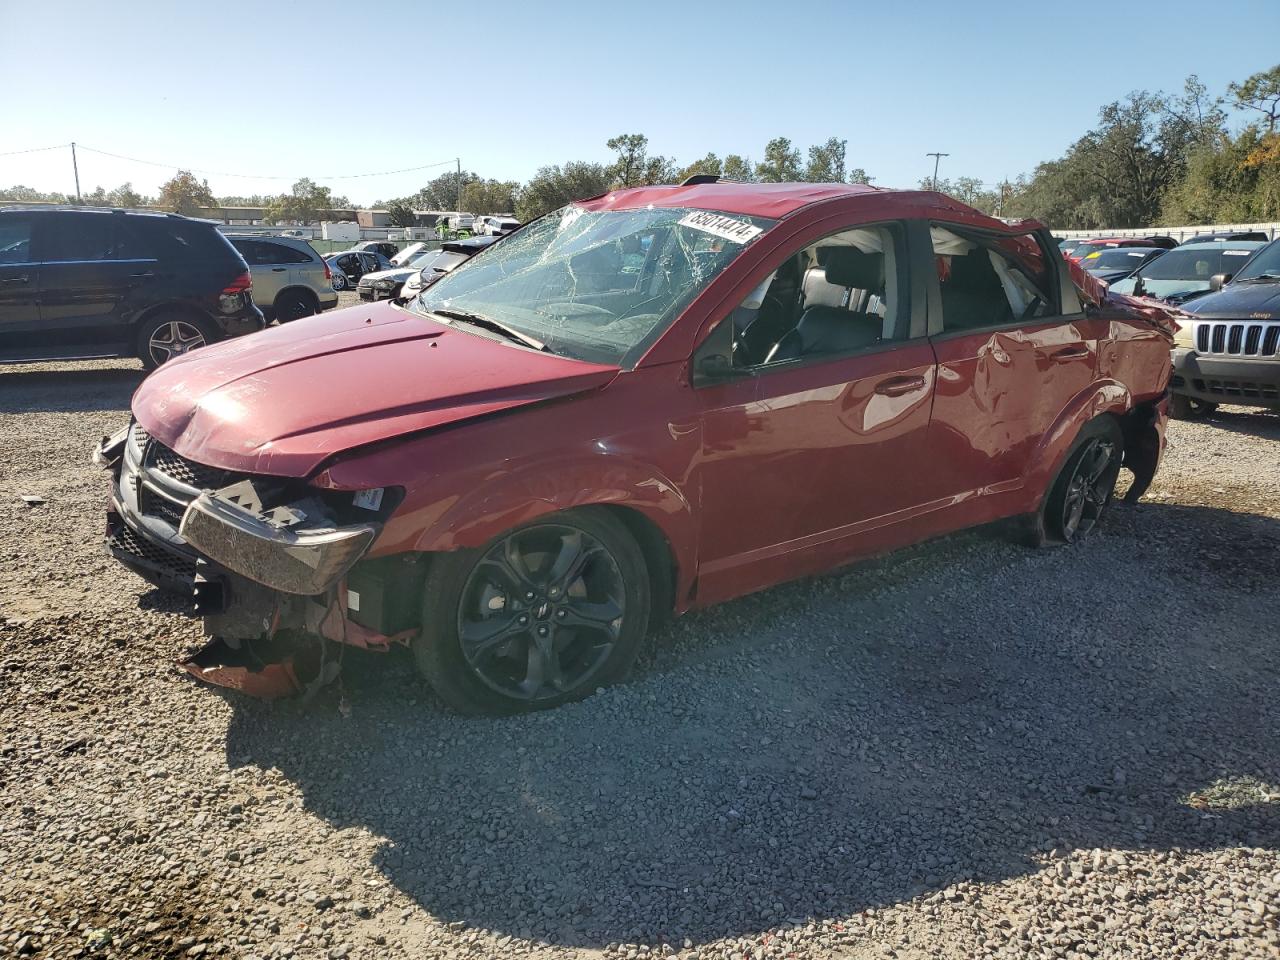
(717, 224)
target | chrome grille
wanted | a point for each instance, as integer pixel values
(1232, 338)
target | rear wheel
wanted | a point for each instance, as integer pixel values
(542, 615)
(1082, 490)
(170, 335)
(294, 305)
(339, 281)
(1182, 407)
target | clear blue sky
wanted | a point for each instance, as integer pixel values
(316, 88)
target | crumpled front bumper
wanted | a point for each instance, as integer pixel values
(269, 583)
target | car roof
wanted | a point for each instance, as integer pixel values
(1223, 245)
(75, 208)
(778, 200)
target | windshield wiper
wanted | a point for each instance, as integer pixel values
(1261, 276)
(488, 323)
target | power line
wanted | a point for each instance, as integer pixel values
(56, 146)
(250, 176)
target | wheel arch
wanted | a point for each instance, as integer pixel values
(302, 288)
(652, 508)
(1102, 398)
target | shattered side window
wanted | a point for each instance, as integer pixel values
(596, 285)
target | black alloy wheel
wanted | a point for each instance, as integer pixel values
(541, 612)
(1083, 488)
(1089, 489)
(541, 615)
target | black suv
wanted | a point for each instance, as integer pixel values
(85, 283)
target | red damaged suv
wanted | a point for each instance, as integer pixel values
(646, 402)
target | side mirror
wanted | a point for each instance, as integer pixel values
(1219, 280)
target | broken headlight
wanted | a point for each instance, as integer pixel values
(296, 547)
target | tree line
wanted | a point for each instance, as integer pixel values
(1153, 159)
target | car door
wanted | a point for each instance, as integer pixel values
(19, 283)
(270, 276)
(1010, 359)
(815, 430)
(349, 264)
(85, 281)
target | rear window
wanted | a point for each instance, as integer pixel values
(1188, 263)
(1118, 258)
(261, 252)
(175, 239)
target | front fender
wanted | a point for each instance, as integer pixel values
(1102, 396)
(505, 501)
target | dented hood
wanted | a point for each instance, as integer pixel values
(282, 401)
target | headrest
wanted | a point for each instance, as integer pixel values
(850, 267)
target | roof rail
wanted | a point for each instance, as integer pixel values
(698, 178)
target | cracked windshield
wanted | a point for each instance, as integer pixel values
(594, 285)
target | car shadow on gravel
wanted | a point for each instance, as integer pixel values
(69, 388)
(1252, 422)
(951, 713)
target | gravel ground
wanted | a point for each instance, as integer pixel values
(966, 749)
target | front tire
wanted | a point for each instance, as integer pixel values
(1082, 490)
(540, 616)
(1182, 407)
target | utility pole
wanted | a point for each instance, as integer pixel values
(937, 158)
(76, 167)
(459, 160)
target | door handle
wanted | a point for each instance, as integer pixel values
(22, 279)
(1069, 353)
(279, 269)
(897, 386)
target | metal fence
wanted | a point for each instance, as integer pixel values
(1272, 230)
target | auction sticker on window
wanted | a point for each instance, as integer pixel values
(717, 224)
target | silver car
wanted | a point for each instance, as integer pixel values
(290, 280)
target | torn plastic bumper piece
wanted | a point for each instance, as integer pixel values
(284, 548)
(267, 669)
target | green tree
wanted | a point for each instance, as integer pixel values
(1261, 92)
(304, 203)
(633, 166)
(401, 214)
(781, 163)
(858, 175)
(443, 192)
(185, 194)
(968, 190)
(628, 169)
(553, 187)
(489, 196)
(21, 194)
(826, 162)
(739, 168)
(125, 196)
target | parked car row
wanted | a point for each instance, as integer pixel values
(1227, 348)
(424, 270)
